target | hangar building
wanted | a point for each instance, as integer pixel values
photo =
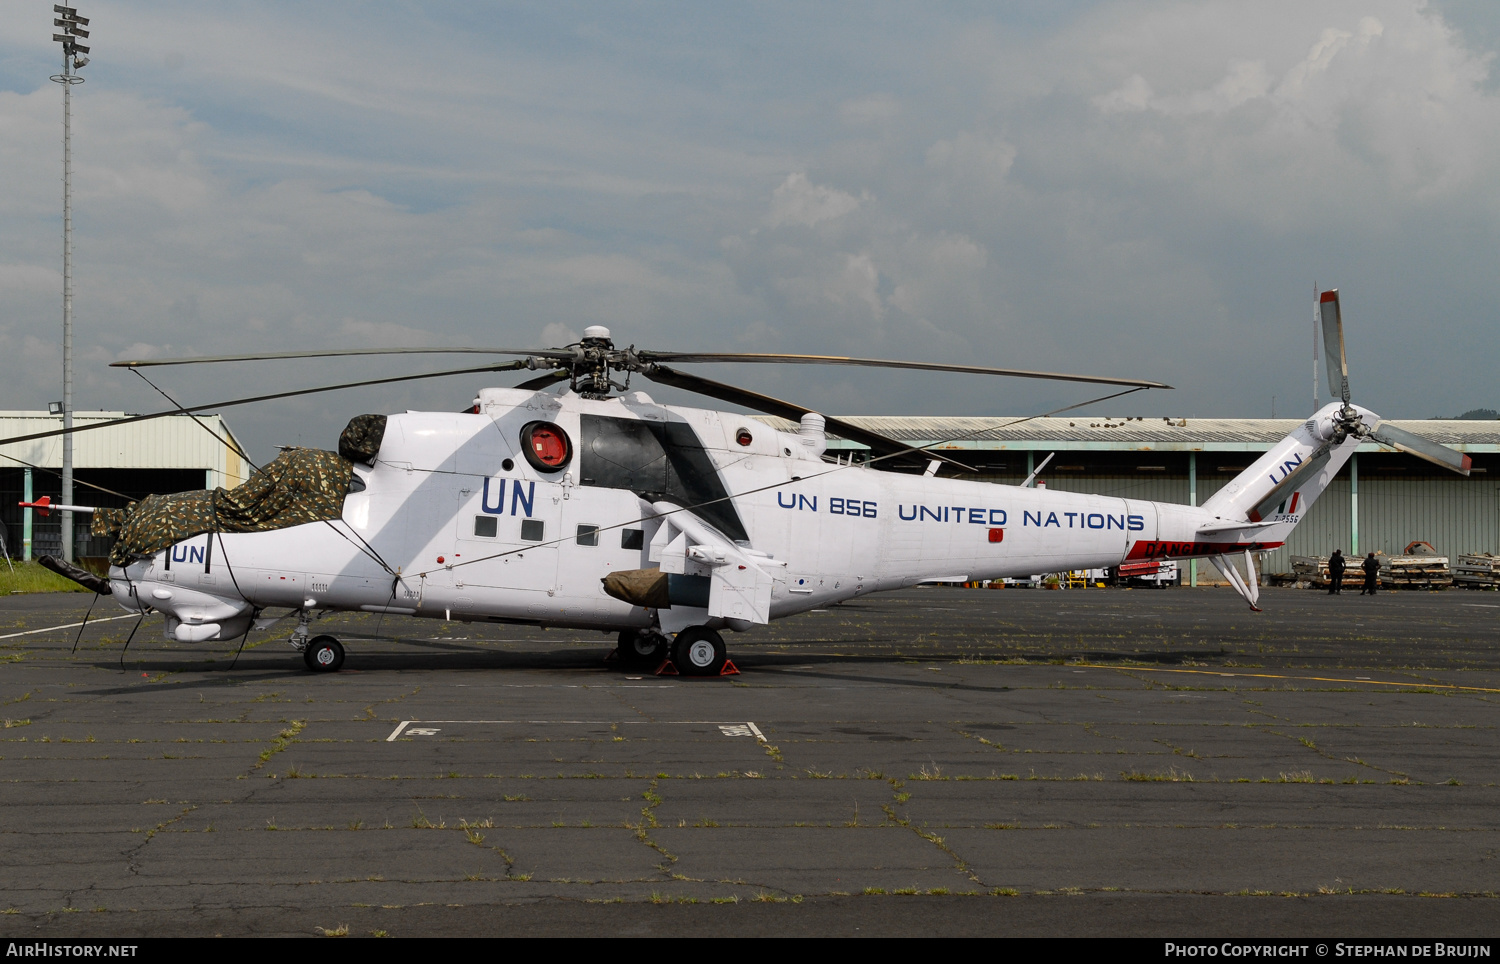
(170, 454)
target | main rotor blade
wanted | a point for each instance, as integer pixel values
(335, 352)
(1333, 344)
(504, 367)
(1423, 448)
(545, 381)
(878, 443)
(760, 358)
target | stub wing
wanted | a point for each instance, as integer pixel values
(740, 579)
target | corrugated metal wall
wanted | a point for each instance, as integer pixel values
(1455, 515)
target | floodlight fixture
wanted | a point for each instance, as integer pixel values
(54, 408)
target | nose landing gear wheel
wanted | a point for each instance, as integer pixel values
(698, 651)
(323, 654)
(643, 650)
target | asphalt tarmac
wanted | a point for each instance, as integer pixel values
(933, 762)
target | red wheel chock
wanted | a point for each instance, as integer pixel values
(668, 668)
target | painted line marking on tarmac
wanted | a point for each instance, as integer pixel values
(1317, 679)
(101, 619)
(425, 727)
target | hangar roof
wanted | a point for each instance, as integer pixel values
(1133, 433)
(170, 442)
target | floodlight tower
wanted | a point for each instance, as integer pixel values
(74, 56)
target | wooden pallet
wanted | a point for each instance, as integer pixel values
(1415, 572)
(1477, 570)
(1313, 572)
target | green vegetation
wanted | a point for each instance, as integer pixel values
(30, 577)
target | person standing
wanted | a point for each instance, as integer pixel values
(1336, 567)
(1372, 573)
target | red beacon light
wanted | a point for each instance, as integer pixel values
(546, 446)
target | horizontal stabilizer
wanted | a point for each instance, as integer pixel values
(1235, 527)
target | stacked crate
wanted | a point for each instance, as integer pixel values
(1478, 570)
(1415, 572)
(1311, 572)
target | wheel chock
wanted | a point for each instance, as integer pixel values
(729, 669)
(614, 656)
(667, 669)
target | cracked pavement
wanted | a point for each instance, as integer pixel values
(935, 761)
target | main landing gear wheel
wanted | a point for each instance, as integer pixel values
(642, 649)
(323, 654)
(699, 651)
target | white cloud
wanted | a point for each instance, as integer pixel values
(1133, 95)
(798, 201)
(970, 156)
(875, 110)
(557, 334)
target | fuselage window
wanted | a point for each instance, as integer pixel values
(632, 538)
(658, 462)
(485, 525)
(533, 530)
(588, 535)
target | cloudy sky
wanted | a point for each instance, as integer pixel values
(1136, 189)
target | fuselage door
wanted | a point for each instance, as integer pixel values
(506, 534)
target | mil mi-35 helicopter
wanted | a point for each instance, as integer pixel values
(599, 508)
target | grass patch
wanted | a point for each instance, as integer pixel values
(30, 577)
(1173, 775)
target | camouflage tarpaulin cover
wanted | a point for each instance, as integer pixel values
(360, 441)
(300, 486)
(639, 587)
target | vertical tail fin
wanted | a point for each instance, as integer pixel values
(1283, 484)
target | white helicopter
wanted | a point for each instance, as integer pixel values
(599, 508)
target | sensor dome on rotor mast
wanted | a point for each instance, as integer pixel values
(596, 333)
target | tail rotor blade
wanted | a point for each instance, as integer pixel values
(1333, 344)
(1423, 448)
